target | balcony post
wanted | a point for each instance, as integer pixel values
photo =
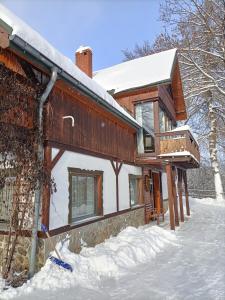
(186, 192)
(170, 195)
(175, 197)
(180, 194)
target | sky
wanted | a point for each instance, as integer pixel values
(107, 26)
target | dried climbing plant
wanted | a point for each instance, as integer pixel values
(19, 165)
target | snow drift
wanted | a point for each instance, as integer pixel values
(113, 258)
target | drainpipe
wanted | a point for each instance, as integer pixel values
(38, 191)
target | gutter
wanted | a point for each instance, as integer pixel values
(38, 191)
(17, 42)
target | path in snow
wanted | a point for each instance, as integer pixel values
(193, 269)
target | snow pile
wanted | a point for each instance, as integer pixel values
(210, 201)
(181, 128)
(113, 258)
(139, 72)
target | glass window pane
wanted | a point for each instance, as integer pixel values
(83, 196)
(144, 115)
(134, 191)
(6, 197)
(148, 143)
(161, 120)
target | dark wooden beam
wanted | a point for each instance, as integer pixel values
(175, 197)
(117, 167)
(56, 158)
(46, 188)
(28, 71)
(186, 193)
(170, 195)
(180, 194)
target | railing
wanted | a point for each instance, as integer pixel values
(177, 141)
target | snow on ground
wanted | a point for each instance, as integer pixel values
(146, 263)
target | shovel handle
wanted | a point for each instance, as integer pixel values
(44, 228)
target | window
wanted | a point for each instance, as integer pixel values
(136, 190)
(145, 116)
(149, 145)
(85, 192)
(6, 198)
(165, 123)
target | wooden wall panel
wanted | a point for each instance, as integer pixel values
(11, 61)
(178, 95)
(129, 98)
(92, 129)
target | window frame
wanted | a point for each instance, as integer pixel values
(140, 200)
(98, 193)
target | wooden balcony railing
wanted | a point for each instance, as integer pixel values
(176, 142)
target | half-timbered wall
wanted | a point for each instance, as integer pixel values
(93, 130)
(59, 205)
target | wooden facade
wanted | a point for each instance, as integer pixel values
(74, 122)
(93, 129)
(175, 151)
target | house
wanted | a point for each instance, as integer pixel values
(110, 140)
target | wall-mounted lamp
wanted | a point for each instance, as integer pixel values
(69, 117)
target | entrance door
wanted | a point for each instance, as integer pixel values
(158, 204)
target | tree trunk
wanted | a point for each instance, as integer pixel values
(213, 150)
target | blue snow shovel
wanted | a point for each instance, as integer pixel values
(56, 260)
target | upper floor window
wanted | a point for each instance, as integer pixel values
(165, 123)
(85, 192)
(145, 116)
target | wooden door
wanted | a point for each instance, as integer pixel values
(157, 191)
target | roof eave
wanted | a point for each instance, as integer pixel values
(17, 42)
(165, 81)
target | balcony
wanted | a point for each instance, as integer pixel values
(178, 146)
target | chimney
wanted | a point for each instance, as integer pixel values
(84, 60)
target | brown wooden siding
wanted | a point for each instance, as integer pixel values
(11, 61)
(178, 95)
(167, 102)
(92, 130)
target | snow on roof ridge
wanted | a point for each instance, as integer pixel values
(139, 72)
(137, 59)
(33, 38)
(83, 48)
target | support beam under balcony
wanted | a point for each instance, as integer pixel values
(176, 214)
(186, 192)
(180, 190)
(170, 195)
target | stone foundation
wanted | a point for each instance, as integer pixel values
(91, 234)
(98, 231)
(22, 253)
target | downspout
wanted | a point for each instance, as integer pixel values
(38, 191)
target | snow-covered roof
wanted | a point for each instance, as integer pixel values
(139, 72)
(33, 38)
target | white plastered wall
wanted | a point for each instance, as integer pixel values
(124, 192)
(164, 186)
(60, 200)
